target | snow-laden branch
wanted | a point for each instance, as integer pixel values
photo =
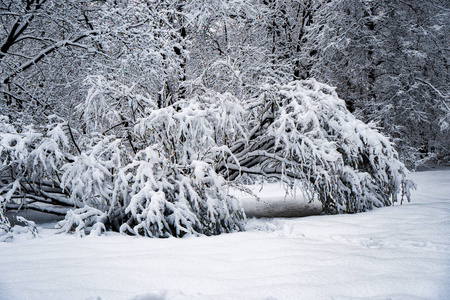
(313, 139)
(46, 51)
(175, 181)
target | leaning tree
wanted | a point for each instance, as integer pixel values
(191, 152)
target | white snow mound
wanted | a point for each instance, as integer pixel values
(400, 252)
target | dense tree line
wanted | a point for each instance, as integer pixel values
(141, 114)
(389, 61)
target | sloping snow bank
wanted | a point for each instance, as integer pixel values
(400, 252)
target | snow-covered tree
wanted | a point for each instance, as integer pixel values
(145, 44)
(306, 136)
(389, 61)
(300, 133)
(45, 48)
(163, 199)
(165, 104)
(31, 168)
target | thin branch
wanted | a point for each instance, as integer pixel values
(45, 52)
(72, 137)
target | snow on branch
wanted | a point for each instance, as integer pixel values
(311, 138)
(164, 199)
(83, 221)
(174, 181)
(89, 178)
(31, 62)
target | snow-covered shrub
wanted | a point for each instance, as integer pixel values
(311, 137)
(15, 149)
(193, 129)
(50, 153)
(83, 221)
(8, 232)
(31, 153)
(89, 178)
(31, 164)
(169, 187)
(30, 225)
(174, 178)
(164, 199)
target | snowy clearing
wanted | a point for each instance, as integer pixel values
(400, 252)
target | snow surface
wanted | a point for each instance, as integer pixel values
(400, 252)
(274, 202)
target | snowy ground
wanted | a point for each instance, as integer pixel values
(400, 252)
